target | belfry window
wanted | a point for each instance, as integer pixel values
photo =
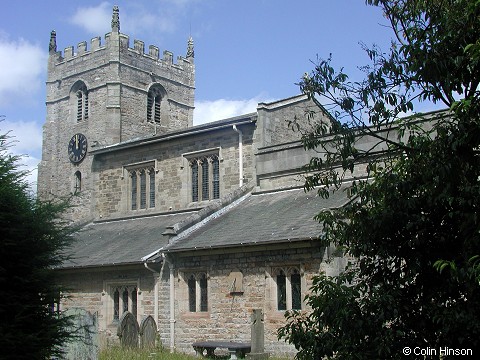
(82, 103)
(155, 96)
(142, 188)
(205, 178)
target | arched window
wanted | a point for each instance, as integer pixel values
(155, 96)
(78, 182)
(81, 101)
(205, 177)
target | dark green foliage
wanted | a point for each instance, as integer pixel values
(413, 224)
(31, 243)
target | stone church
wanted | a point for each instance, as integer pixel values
(193, 225)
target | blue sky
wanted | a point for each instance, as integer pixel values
(245, 51)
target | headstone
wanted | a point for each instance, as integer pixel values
(148, 332)
(257, 339)
(127, 330)
(84, 345)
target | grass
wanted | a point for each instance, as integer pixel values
(119, 353)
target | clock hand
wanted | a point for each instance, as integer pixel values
(76, 142)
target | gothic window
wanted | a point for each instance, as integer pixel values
(78, 182)
(141, 189)
(154, 103)
(81, 101)
(288, 284)
(197, 292)
(125, 298)
(205, 177)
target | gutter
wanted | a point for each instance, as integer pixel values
(172, 301)
(240, 155)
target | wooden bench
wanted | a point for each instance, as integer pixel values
(237, 350)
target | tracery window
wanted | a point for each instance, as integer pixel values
(288, 282)
(197, 292)
(142, 192)
(205, 177)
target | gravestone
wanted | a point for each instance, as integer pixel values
(84, 345)
(148, 332)
(257, 339)
(127, 330)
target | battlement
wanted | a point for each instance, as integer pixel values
(115, 40)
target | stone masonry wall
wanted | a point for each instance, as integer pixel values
(173, 176)
(228, 315)
(89, 290)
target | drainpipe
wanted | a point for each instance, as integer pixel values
(240, 154)
(172, 302)
(156, 276)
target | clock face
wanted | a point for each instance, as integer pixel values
(77, 148)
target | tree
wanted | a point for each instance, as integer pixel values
(413, 224)
(32, 241)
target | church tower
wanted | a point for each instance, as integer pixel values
(107, 94)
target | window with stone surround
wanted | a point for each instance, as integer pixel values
(205, 177)
(122, 298)
(141, 186)
(288, 288)
(197, 292)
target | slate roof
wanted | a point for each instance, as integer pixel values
(120, 242)
(262, 218)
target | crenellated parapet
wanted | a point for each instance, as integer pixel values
(116, 48)
(83, 51)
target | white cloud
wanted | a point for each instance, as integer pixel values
(22, 66)
(207, 111)
(94, 19)
(134, 17)
(25, 141)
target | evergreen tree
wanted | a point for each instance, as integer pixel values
(413, 225)
(32, 239)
